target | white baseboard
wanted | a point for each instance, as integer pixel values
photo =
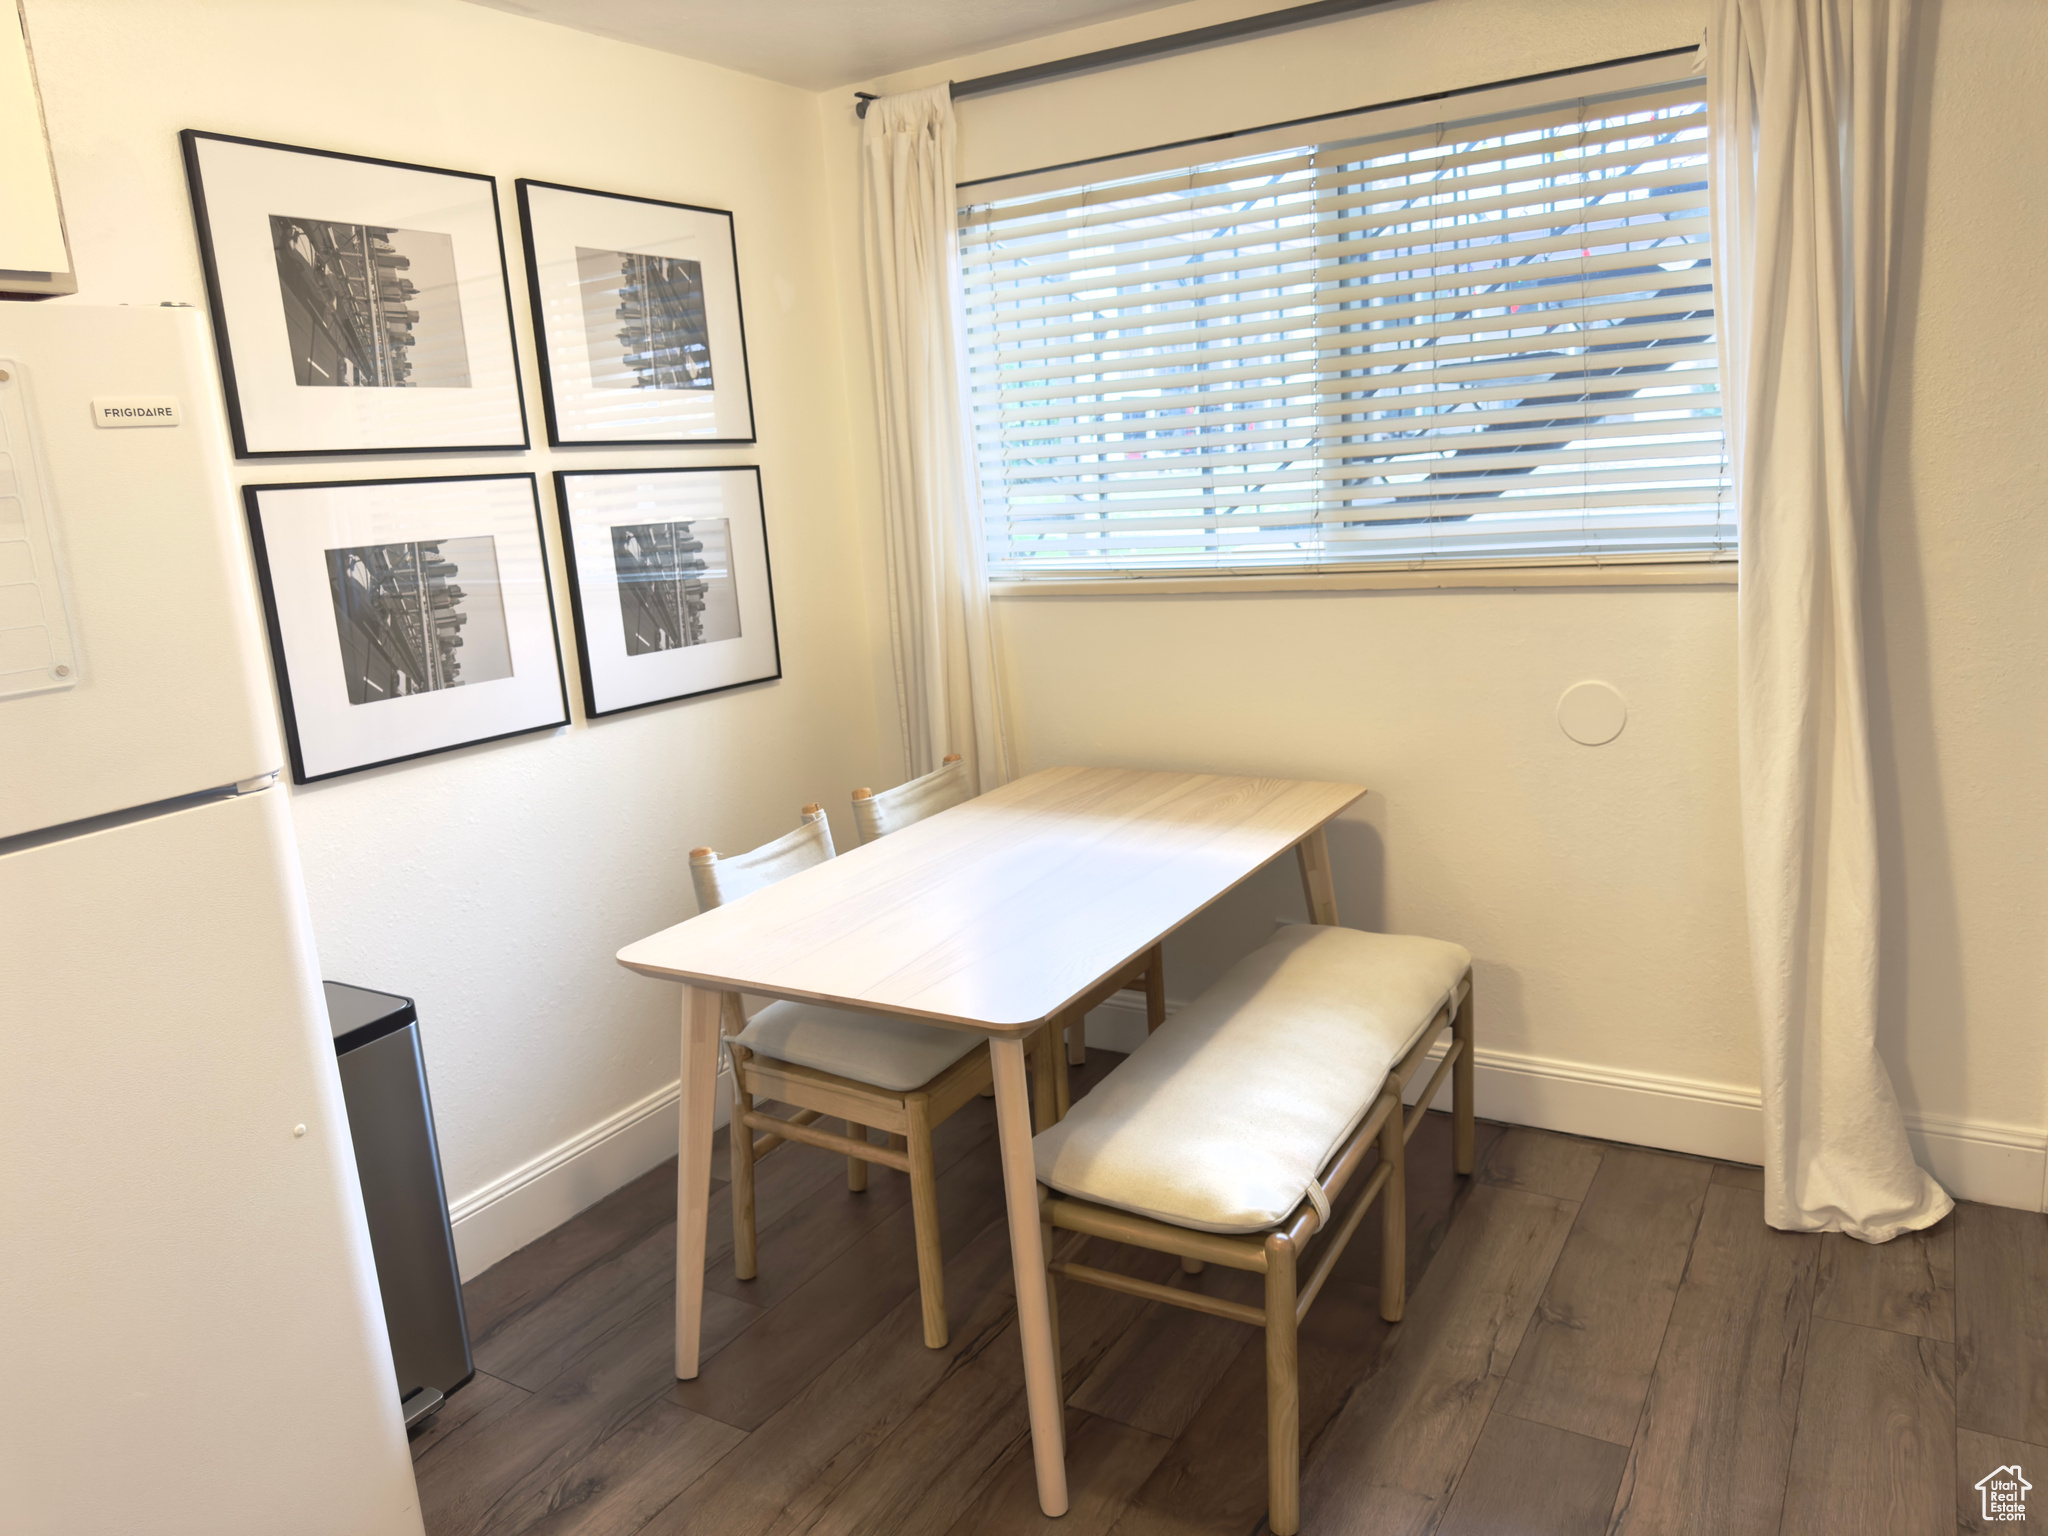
(532, 1200)
(1119, 1024)
(1995, 1164)
(1973, 1160)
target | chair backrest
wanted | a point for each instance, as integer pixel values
(893, 809)
(721, 880)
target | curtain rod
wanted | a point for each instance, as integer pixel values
(1131, 53)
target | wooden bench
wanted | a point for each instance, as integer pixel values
(1230, 1134)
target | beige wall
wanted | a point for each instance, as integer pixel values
(1959, 589)
(1601, 888)
(495, 883)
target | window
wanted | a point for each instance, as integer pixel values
(1480, 342)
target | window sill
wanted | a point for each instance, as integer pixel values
(1687, 573)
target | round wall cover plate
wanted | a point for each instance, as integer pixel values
(1592, 714)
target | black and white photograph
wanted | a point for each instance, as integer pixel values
(643, 320)
(406, 617)
(369, 307)
(668, 583)
(330, 273)
(418, 616)
(675, 584)
(636, 309)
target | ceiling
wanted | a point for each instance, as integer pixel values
(822, 43)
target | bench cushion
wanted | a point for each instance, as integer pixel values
(1221, 1119)
(878, 1049)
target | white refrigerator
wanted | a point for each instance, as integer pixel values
(191, 1338)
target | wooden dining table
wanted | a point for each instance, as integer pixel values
(991, 917)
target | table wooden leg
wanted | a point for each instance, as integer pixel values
(1062, 1081)
(1316, 885)
(1027, 1257)
(693, 1167)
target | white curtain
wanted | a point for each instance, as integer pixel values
(940, 626)
(1806, 103)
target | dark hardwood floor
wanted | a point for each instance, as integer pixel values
(1599, 1339)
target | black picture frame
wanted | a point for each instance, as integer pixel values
(291, 658)
(598, 654)
(241, 381)
(557, 391)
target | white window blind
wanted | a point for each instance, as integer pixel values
(1485, 341)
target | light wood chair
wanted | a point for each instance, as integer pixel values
(876, 814)
(1313, 1039)
(875, 1071)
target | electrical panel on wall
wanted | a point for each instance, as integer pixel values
(35, 255)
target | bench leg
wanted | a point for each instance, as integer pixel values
(1283, 1392)
(1062, 1086)
(1155, 989)
(1044, 1046)
(740, 1137)
(1463, 1141)
(856, 1168)
(1190, 1266)
(1046, 1235)
(924, 1220)
(1394, 1219)
(1317, 888)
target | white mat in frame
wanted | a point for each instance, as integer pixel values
(636, 307)
(406, 617)
(360, 305)
(669, 582)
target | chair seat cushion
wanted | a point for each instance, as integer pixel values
(1221, 1119)
(878, 1049)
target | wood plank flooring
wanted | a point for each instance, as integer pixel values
(1600, 1339)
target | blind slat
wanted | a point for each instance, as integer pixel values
(1374, 393)
(992, 315)
(1378, 348)
(1597, 441)
(1340, 189)
(1478, 465)
(1665, 264)
(1299, 505)
(1622, 178)
(1214, 415)
(1304, 239)
(1331, 313)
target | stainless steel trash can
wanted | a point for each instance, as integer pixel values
(391, 1120)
